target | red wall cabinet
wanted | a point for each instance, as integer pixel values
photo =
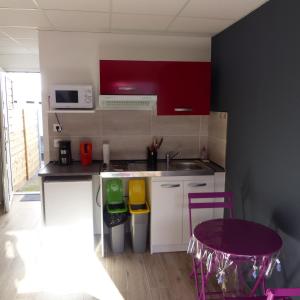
(123, 77)
(182, 88)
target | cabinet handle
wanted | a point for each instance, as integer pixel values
(183, 109)
(125, 88)
(197, 184)
(169, 186)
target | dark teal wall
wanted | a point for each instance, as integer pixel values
(256, 78)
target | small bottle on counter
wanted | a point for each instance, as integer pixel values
(203, 153)
(106, 156)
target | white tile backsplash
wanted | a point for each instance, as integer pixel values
(118, 123)
(218, 125)
(204, 120)
(203, 142)
(77, 124)
(217, 150)
(130, 132)
(128, 146)
(187, 146)
(175, 125)
(217, 137)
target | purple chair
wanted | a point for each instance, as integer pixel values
(227, 196)
(272, 294)
(228, 204)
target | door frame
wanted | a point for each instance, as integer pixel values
(7, 187)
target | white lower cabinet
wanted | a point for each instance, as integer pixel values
(68, 207)
(166, 221)
(169, 229)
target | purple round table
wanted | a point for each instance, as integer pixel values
(238, 237)
(236, 241)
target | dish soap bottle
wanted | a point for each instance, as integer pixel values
(203, 153)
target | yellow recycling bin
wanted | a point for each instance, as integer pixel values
(137, 191)
(139, 211)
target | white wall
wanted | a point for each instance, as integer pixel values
(68, 57)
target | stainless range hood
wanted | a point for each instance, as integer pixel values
(127, 102)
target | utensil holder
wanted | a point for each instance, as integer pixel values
(151, 158)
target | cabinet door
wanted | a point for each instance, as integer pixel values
(128, 77)
(201, 184)
(184, 88)
(166, 213)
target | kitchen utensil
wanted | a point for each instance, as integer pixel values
(155, 144)
(151, 158)
(160, 142)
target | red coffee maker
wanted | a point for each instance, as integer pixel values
(86, 153)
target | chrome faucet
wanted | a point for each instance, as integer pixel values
(170, 155)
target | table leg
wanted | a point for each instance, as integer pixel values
(192, 273)
(260, 278)
(203, 281)
(195, 272)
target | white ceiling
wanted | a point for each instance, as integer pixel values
(20, 19)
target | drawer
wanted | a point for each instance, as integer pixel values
(200, 184)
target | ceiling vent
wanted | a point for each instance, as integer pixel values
(127, 102)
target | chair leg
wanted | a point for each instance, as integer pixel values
(263, 286)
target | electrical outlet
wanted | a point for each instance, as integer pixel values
(56, 128)
(56, 143)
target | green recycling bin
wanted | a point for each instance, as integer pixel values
(116, 207)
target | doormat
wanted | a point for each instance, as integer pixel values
(30, 197)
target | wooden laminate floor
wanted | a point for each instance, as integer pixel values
(27, 273)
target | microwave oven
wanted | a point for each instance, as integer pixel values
(71, 96)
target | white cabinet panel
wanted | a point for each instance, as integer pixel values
(166, 216)
(199, 184)
(68, 202)
(68, 208)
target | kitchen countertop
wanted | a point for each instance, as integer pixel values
(128, 168)
(75, 169)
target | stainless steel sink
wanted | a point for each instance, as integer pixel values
(180, 167)
(186, 165)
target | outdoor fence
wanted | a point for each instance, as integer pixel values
(24, 143)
